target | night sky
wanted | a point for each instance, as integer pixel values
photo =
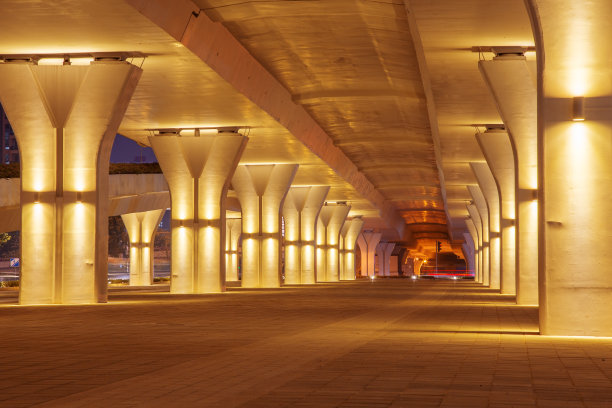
(127, 151)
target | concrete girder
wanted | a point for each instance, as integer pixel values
(222, 52)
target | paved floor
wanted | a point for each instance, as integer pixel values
(393, 343)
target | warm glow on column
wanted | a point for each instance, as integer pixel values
(292, 267)
(270, 263)
(209, 266)
(79, 219)
(250, 262)
(135, 265)
(147, 268)
(349, 259)
(332, 264)
(182, 261)
(308, 264)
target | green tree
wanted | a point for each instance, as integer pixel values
(118, 240)
(9, 244)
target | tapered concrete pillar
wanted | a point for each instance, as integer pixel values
(261, 190)
(348, 242)
(141, 228)
(477, 223)
(418, 262)
(330, 221)
(489, 189)
(483, 212)
(367, 241)
(499, 153)
(383, 250)
(65, 119)
(232, 236)
(300, 211)
(469, 250)
(474, 239)
(513, 85)
(198, 168)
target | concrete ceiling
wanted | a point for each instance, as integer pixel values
(390, 88)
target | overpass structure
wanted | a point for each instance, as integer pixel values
(482, 124)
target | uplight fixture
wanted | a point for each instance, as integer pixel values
(79, 197)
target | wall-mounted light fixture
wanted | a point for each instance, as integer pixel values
(37, 197)
(181, 223)
(79, 197)
(578, 109)
(534, 195)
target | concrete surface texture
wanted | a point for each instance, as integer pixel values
(387, 343)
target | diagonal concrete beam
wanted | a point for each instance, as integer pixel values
(223, 53)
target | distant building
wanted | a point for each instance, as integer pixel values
(8, 143)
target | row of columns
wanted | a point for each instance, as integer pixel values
(65, 119)
(503, 216)
(319, 239)
(300, 255)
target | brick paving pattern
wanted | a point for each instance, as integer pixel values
(391, 343)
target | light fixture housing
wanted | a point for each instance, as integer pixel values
(578, 109)
(79, 197)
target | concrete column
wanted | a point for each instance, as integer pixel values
(65, 119)
(575, 124)
(141, 228)
(483, 212)
(198, 168)
(261, 190)
(348, 241)
(469, 250)
(300, 211)
(330, 221)
(418, 262)
(367, 241)
(489, 189)
(383, 250)
(233, 230)
(473, 232)
(497, 148)
(513, 85)
(477, 222)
